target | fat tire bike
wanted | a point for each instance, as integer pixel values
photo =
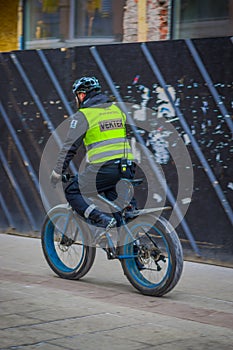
(147, 246)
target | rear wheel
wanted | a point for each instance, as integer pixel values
(154, 257)
(66, 244)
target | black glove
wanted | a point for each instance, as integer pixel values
(66, 178)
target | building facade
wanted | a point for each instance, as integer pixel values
(8, 25)
(32, 24)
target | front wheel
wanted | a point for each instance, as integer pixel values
(151, 255)
(66, 244)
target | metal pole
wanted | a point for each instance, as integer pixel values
(55, 81)
(34, 95)
(38, 103)
(145, 150)
(18, 191)
(24, 156)
(194, 143)
(6, 212)
(210, 84)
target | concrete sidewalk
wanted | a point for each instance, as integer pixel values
(103, 311)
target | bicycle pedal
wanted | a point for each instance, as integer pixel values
(110, 253)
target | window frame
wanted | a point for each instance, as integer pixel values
(69, 41)
(209, 26)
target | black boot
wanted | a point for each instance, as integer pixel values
(102, 220)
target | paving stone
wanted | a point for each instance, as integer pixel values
(103, 311)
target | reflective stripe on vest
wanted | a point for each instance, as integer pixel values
(105, 138)
(105, 143)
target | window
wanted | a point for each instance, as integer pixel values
(59, 23)
(202, 18)
(203, 10)
(42, 19)
(93, 18)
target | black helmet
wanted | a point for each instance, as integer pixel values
(86, 84)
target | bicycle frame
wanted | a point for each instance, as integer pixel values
(112, 249)
(146, 244)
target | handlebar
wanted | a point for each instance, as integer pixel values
(67, 177)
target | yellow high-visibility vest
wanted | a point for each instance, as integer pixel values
(105, 138)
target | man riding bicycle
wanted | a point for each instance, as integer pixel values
(100, 125)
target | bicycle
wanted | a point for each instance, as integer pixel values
(147, 246)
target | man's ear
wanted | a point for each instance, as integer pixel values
(83, 95)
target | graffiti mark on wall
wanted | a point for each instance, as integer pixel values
(206, 123)
(157, 139)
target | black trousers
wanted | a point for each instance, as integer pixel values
(95, 179)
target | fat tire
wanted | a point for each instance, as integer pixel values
(49, 251)
(174, 252)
